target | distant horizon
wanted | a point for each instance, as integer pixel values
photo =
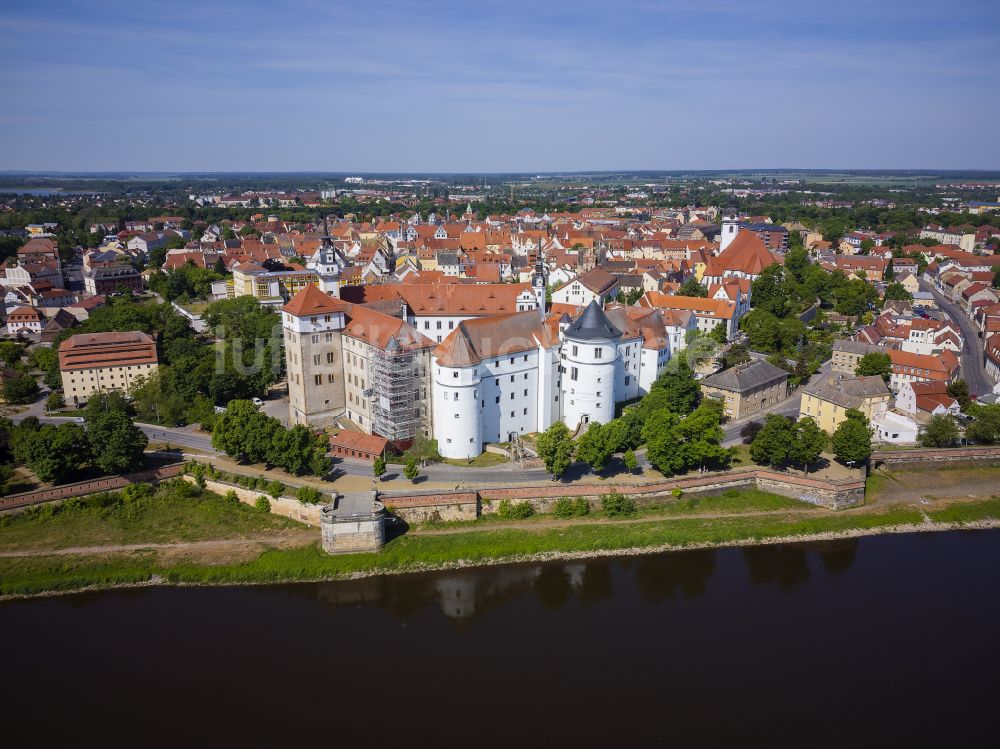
(452, 87)
(915, 171)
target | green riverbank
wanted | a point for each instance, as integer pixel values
(29, 575)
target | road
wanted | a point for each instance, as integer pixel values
(972, 357)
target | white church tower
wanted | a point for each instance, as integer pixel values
(730, 228)
(539, 279)
(590, 347)
(326, 264)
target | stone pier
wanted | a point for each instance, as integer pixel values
(347, 532)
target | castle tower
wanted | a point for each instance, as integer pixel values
(590, 347)
(730, 228)
(311, 325)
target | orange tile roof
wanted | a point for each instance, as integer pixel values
(312, 301)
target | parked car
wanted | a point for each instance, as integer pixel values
(257, 402)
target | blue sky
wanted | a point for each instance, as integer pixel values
(428, 85)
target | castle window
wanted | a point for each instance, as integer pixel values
(598, 352)
(573, 373)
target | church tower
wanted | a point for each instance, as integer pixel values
(326, 263)
(730, 228)
(539, 279)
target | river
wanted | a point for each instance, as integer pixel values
(885, 640)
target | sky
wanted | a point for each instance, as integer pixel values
(511, 86)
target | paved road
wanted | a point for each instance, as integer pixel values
(972, 357)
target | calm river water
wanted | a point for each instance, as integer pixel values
(882, 641)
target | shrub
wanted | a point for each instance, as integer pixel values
(308, 495)
(515, 510)
(677, 492)
(263, 504)
(567, 508)
(232, 496)
(275, 488)
(617, 505)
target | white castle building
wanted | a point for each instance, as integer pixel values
(500, 377)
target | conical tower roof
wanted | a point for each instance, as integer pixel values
(592, 324)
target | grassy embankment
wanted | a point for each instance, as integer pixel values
(24, 575)
(177, 512)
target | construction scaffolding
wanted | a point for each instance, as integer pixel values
(393, 391)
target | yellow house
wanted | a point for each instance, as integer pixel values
(829, 401)
(909, 282)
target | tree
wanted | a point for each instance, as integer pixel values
(378, 467)
(555, 448)
(245, 433)
(940, 431)
(808, 441)
(737, 354)
(691, 287)
(115, 442)
(996, 279)
(631, 462)
(47, 360)
(897, 291)
(985, 424)
(11, 352)
(852, 439)
(596, 446)
(772, 444)
(411, 470)
(959, 390)
(770, 292)
(676, 389)
(20, 389)
(54, 453)
(55, 401)
(750, 430)
(874, 364)
(720, 334)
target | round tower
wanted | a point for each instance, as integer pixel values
(457, 397)
(590, 348)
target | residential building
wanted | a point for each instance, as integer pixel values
(747, 389)
(24, 320)
(925, 399)
(709, 313)
(910, 367)
(829, 401)
(111, 279)
(847, 354)
(596, 284)
(97, 362)
(895, 429)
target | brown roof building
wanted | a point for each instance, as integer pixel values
(96, 362)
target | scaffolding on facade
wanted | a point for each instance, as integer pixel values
(394, 387)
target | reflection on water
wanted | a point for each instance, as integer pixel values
(466, 594)
(700, 648)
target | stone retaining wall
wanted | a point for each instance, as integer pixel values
(289, 507)
(83, 488)
(971, 455)
(420, 508)
(830, 494)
